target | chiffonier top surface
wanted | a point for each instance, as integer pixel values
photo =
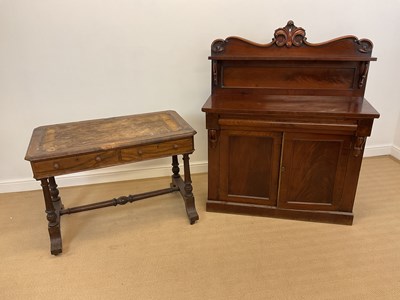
(264, 104)
(106, 134)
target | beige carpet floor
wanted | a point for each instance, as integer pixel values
(148, 250)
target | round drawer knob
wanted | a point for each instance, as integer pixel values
(56, 166)
(98, 158)
(176, 146)
(140, 152)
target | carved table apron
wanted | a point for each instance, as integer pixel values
(80, 146)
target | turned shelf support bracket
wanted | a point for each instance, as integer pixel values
(359, 145)
(364, 73)
(213, 138)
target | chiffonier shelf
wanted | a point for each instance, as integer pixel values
(287, 124)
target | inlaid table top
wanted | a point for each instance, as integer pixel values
(78, 146)
(105, 134)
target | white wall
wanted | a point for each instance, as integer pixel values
(64, 61)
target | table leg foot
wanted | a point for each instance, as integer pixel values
(185, 187)
(55, 240)
(191, 211)
(53, 216)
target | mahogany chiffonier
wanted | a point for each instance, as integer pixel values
(287, 123)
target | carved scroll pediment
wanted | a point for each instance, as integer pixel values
(294, 38)
(289, 36)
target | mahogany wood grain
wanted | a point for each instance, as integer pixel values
(313, 170)
(249, 175)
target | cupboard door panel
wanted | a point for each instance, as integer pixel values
(249, 166)
(313, 171)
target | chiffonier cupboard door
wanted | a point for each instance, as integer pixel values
(313, 170)
(249, 166)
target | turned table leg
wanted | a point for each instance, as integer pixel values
(54, 192)
(53, 215)
(185, 187)
(175, 167)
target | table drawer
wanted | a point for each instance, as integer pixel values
(157, 150)
(72, 164)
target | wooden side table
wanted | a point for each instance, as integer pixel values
(80, 146)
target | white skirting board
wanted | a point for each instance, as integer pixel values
(132, 172)
(378, 150)
(395, 152)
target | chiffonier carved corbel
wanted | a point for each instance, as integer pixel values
(287, 123)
